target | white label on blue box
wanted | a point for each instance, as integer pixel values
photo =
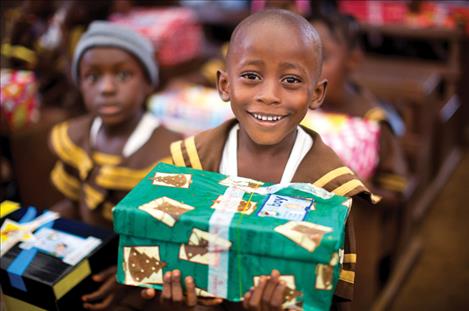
(286, 207)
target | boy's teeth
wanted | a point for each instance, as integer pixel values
(266, 118)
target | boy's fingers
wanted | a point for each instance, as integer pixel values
(148, 293)
(256, 297)
(100, 305)
(190, 292)
(210, 301)
(268, 291)
(166, 293)
(105, 274)
(246, 299)
(277, 296)
(103, 291)
(176, 289)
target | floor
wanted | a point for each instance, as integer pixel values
(440, 280)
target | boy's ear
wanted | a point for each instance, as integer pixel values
(223, 85)
(319, 94)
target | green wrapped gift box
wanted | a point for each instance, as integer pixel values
(226, 232)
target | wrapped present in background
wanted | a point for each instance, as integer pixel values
(226, 232)
(19, 103)
(355, 140)
(47, 262)
(175, 32)
(190, 109)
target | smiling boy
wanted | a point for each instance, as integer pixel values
(272, 78)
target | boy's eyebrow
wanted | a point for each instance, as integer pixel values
(287, 65)
(255, 62)
(99, 64)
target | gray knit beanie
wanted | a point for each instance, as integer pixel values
(108, 34)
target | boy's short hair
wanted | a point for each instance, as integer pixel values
(106, 34)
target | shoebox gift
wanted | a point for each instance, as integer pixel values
(227, 232)
(47, 262)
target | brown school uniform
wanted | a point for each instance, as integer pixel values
(96, 180)
(320, 166)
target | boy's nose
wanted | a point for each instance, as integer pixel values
(268, 93)
(107, 85)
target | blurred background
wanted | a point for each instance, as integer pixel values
(414, 61)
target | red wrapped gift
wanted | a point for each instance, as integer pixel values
(175, 32)
(19, 104)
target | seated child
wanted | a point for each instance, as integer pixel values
(104, 154)
(339, 34)
(272, 78)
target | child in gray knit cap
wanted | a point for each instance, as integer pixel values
(104, 154)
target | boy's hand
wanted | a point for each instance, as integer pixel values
(267, 295)
(172, 297)
(102, 298)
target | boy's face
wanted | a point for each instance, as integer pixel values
(271, 80)
(335, 65)
(113, 85)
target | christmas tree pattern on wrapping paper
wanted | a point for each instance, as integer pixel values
(172, 180)
(174, 211)
(142, 266)
(194, 250)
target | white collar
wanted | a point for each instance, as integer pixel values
(229, 160)
(141, 134)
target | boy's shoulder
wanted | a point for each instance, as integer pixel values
(76, 130)
(322, 167)
(204, 150)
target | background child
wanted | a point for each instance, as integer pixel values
(342, 55)
(103, 154)
(271, 80)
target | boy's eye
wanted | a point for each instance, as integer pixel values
(91, 77)
(123, 75)
(251, 76)
(291, 80)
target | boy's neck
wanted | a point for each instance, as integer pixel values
(263, 162)
(121, 129)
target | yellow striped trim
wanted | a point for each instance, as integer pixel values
(64, 182)
(72, 279)
(192, 152)
(375, 114)
(106, 159)
(176, 152)
(393, 182)
(324, 180)
(19, 52)
(92, 197)
(347, 276)
(348, 186)
(68, 151)
(350, 258)
(16, 304)
(8, 207)
(120, 178)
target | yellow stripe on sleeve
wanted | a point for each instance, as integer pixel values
(347, 187)
(350, 258)
(324, 180)
(347, 276)
(192, 152)
(176, 152)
